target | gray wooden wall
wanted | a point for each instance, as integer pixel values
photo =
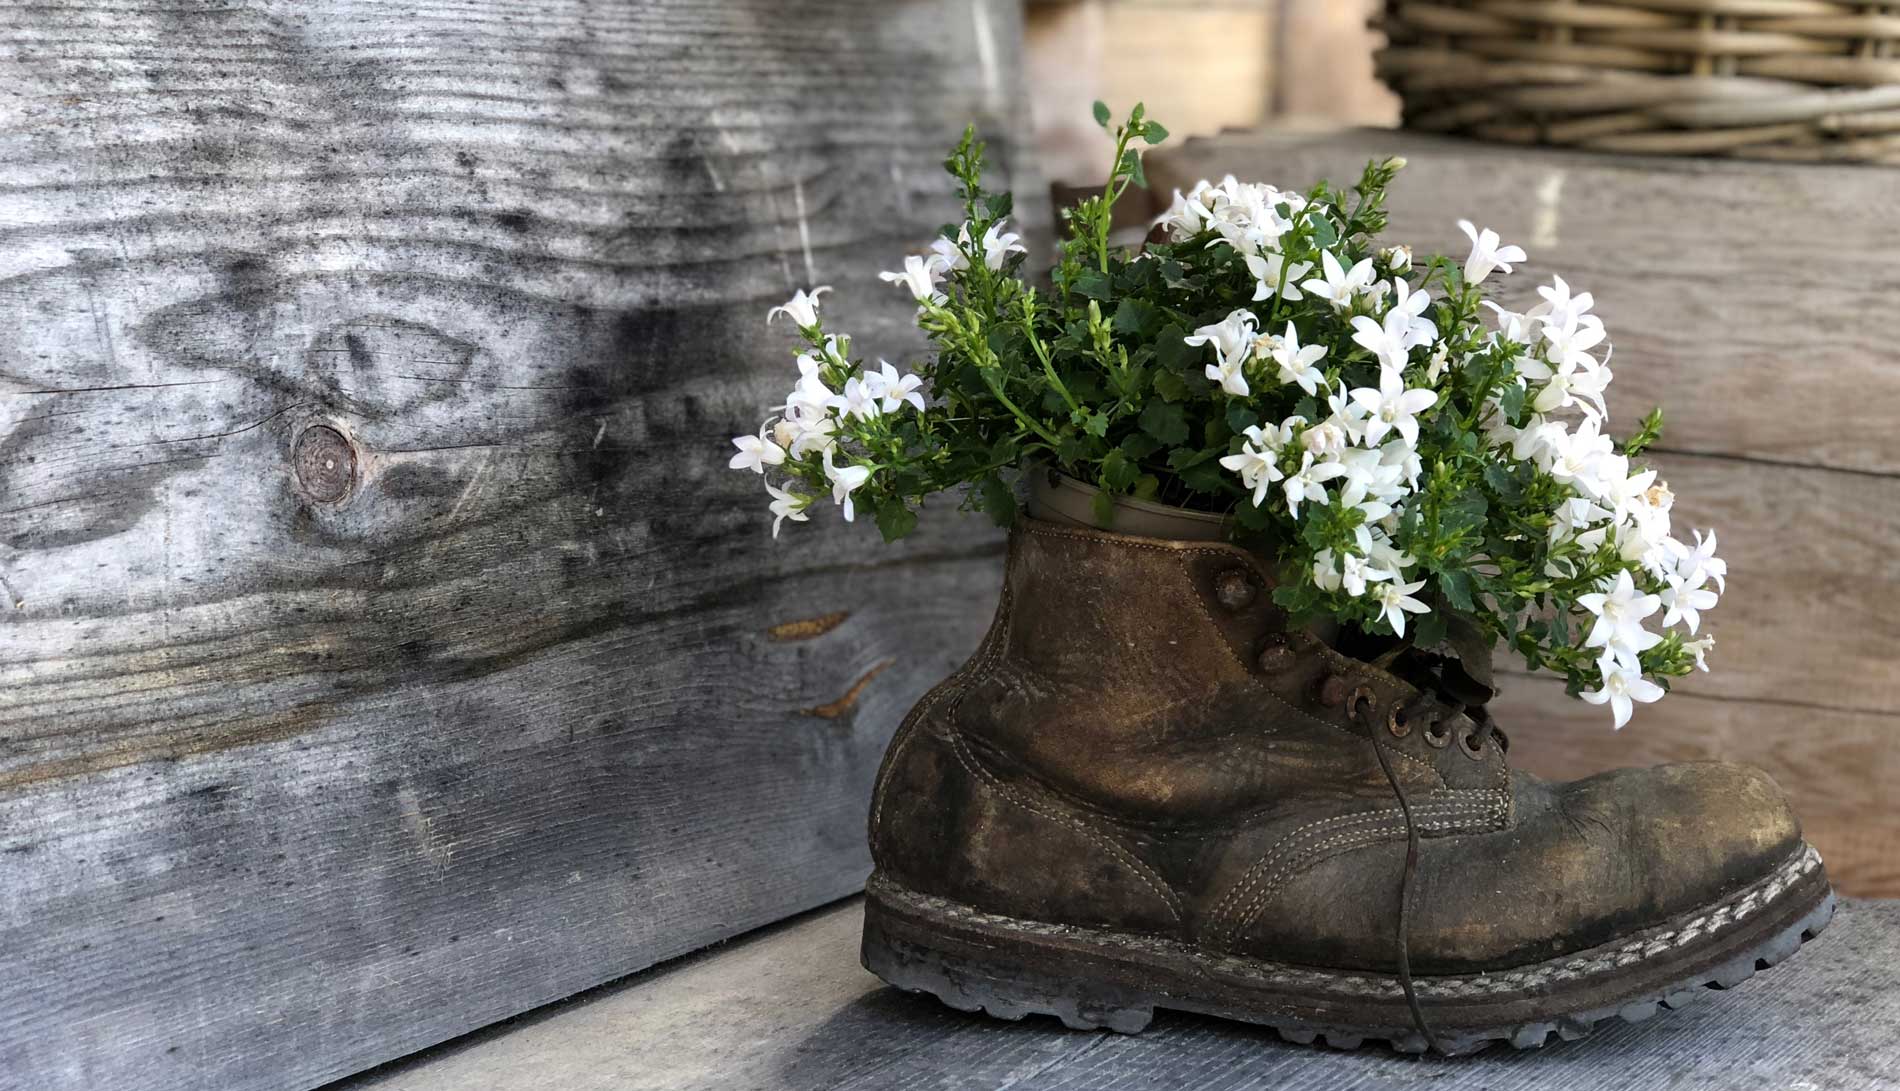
(385, 648)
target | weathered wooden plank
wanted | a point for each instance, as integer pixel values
(1726, 286)
(510, 692)
(810, 1018)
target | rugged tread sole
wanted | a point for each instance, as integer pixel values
(1014, 993)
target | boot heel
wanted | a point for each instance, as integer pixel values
(998, 981)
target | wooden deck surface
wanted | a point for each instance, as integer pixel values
(789, 1009)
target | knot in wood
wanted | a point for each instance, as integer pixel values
(1233, 589)
(325, 464)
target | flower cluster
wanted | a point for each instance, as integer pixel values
(1428, 469)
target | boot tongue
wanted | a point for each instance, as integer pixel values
(1462, 677)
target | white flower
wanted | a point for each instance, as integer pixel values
(843, 481)
(1701, 558)
(1230, 336)
(1229, 374)
(1441, 358)
(1397, 259)
(1257, 463)
(948, 254)
(1411, 304)
(1305, 483)
(920, 276)
(895, 389)
(1339, 287)
(1392, 408)
(860, 398)
(1395, 601)
(1700, 649)
(1685, 598)
(998, 245)
(809, 434)
(1576, 456)
(1294, 362)
(786, 505)
(756, 452)
(1486, 254)
(1620, 610)
(1327, 438)
(811, 398)
(802, 308)
(1269, 271)
(1559, 306)
(1622, 683)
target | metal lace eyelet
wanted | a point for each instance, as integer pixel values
(1362, 699)
(1397, 722)
(1438, 735)
(1468, 742)
(1332, 691)
(1234, 589)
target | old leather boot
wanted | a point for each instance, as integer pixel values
(1143, 792)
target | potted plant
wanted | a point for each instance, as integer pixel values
(1265, 369)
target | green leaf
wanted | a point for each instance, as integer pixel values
(1205, 477)
(1132, 316)
(1172, 350)
(1118, 472)
(1323, 233)
(1431, 630)
(1095, 424)
(1170, 386)
(1146, 486)
(1166, 422)
(1511, 400)
(1241, 417)
(1101, 113)
(1092, 283)
(1504, 482)
(1183, 457)
(1104, 507)
(1456, 585)
(1000, 205)
(997, 500)
(1139, 445)
(1154, 132)
(894, 519)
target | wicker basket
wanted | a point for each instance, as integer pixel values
(1773, 79)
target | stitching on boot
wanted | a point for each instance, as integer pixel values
(1141, 870)
(1736, 908)
(957, 684)
(1249, 896)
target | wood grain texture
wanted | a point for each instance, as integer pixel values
(1718, 318)
(291, 785)
(811, 1018)
(1725, 286)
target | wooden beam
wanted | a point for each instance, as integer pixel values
(385, 647)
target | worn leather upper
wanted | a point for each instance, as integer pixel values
(1140, 744)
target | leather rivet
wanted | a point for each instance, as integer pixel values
(1332, 692)
(1234, 590)
(1276, 656)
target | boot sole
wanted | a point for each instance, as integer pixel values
(1092, 978)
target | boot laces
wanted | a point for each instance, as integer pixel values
(1426, 711)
